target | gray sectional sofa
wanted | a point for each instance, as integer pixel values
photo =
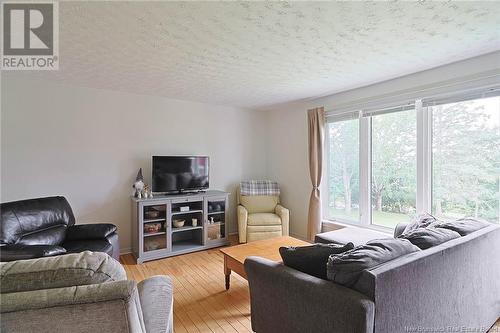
(84, 292)
(451, 287)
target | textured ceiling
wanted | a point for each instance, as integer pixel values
(253, 54)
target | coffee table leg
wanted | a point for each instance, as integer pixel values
(227, 273)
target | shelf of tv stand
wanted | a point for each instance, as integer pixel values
(219, 212)
(187, 212)
(155, 220)
(154, 233)
(186, 228)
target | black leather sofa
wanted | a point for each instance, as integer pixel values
(46, 227)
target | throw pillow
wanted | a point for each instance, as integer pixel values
(346, 268)
(464, 226)
(311, 259)
(425, 238)
(422, 221)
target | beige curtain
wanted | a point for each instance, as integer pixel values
(316, 129)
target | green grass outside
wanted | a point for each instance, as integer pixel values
(385, 219)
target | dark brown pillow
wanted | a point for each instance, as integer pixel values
(311, 259)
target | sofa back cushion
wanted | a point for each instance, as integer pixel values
(464, 226)
(428, 237)
(58, 272)
(35, 221)
(312, 259)
(259, 203)
(346, 268)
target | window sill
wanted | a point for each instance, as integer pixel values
(330, 225)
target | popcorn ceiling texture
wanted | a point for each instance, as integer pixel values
(255, 54)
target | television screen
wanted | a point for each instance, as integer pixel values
(180, 173)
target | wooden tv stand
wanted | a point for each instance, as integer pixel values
(160, 212)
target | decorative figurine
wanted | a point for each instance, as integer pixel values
(139, 184)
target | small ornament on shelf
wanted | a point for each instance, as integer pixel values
(139, 184)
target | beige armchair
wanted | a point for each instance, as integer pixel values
(261, 217)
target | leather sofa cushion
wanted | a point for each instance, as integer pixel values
(90, 231)
(464, 226)
(259, 203)
(428, 237)
(263, 219)
(23, 252)
(59, 272)
(49, 236)
(311, 259)
(94, 245)
(346, 268)
(20, 218)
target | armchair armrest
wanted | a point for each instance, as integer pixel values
(298, 301)
(242, 223)
(90, 231)
(156, 295)
(284, 214)
(75, 309)
(21, 252)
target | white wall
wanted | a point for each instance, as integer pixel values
(287, 159)
(88, 145)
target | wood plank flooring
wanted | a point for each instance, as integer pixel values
(201, 303)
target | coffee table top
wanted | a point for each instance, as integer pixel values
(267, 248)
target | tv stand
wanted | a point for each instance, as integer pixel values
(155, 236)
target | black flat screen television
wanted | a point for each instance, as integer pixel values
(180, 173)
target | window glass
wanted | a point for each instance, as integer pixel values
(343, 170)
(466, 159)
(394, 168)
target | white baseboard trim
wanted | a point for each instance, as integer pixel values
(301, 237)
(125, 250)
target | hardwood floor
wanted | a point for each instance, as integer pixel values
(201, 302)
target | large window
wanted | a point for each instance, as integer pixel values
(343, 170)
(465, 159)
(394, 167)
(439, 156)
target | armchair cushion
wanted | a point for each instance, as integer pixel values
(60, 271)
(259, 203)
(22, 252)
(263, 219)
(89, 231)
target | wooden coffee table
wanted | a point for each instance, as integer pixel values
(235, 256)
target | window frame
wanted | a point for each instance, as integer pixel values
(424, 151)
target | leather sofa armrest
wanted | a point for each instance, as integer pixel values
(90, 231)
(22, 252)
(284, 215)
(242, 223)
